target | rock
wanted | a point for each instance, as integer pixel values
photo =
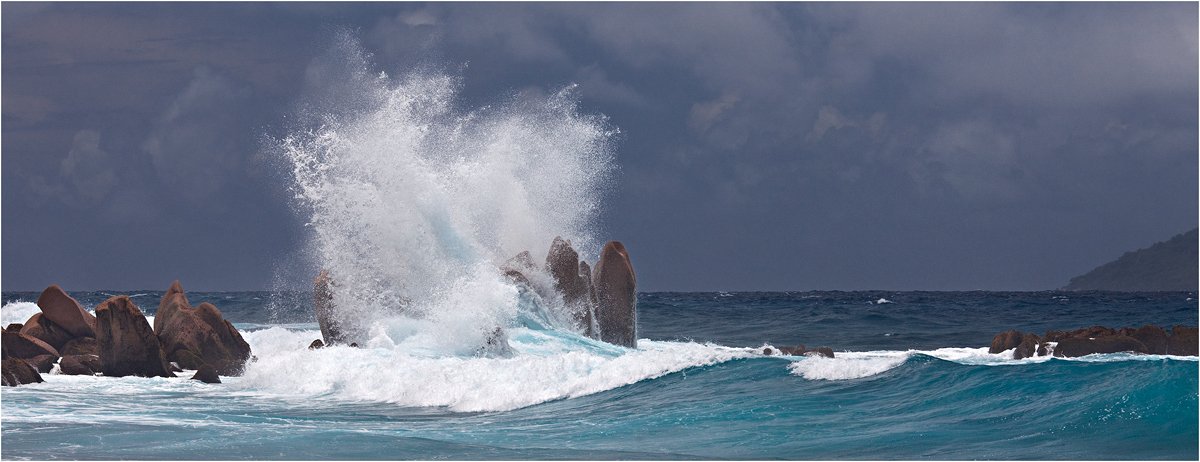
(125, 341)
(767, 351)
(562, 262)
(521, 262)
(187, 360)
(1005, 341)
(326, 318)
(353, 345)
(207, 374)
(1183, 341)
(1028, 346)
(42, 363)
(1074, 347)
(63, 310)
(14, 327)
(24, 346)
(616, 296)
(16, 371)
(1153, 337)
(80, 346)
(79, 365)
(47, 331)
(820, 351)
(202, 331)
(793, 350)
(315, 344)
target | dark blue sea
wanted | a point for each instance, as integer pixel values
(911, 379)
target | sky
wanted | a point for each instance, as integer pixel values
(763, 146)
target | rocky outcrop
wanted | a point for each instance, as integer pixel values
(15, 371)
(563, 265)
(1153, 337)
(61, 309)
(125, 341)
(42, 328)
(187, 333)
(79, 365)
(800, 350)
(616, 296)
(1147, 339)
(207, 374)
(326, 318)
(24, 346)
(1004, 341)
(1183, 341)
(1073, 347)
(1028, 346)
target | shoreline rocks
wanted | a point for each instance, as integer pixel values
(15, 371)
(616, 296)
(193, 337)
(1148, 339)
(125, 341)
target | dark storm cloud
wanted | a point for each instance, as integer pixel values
(939, 146)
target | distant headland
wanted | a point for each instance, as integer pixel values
(1164, 266)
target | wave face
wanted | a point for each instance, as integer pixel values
(696, 387)
(415, 202)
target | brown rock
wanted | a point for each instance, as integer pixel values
(316, 344)
(1005, 341)
(80, 346)
(207, 374)
(66, 312)
(1153, 337)
(1027, 347)
(18, 372)
(14, 327)
(1183, 341)
(820, 351)
(202, 331)
(125, 341)
(562, 262)
(326, 317)
(1074, 347)
(792, 350)
(24, 346)
(616, 296)
(42, 363)
(41, 328)
(766, 351)
(188, 360)
(79, 365)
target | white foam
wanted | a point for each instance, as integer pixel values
(882, 301)
(17, 312)
(845, 366)
(544, 368)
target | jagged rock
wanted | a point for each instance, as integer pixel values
(63, 310)
(24, 346)
(326, 318)
(1028, 346)
(207, 374)
(616, 296)
(14, 327)
(1005, 341)
(1073, 347)
(202, 331)
(41, 328)
(316, 344)
(15, 371)
(80, 346)
(125, 341)
(42, 363)
(79, 365)
(521, 262)
(562, 262)
(1153, 337)
(1183, 341)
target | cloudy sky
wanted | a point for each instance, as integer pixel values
(763, 146)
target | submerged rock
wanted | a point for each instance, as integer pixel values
(24, 346)
(616, 296)
(64, 311)
(1082, 346)
(79, 365)
(201, 331)
(207, 374)
(125, 341)
(316, 344)
(14, 371)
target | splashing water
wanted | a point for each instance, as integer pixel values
(416, 203)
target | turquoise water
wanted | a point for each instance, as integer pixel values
(912, 380)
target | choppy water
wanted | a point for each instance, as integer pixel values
(912, 380)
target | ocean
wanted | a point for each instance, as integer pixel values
(911, 379)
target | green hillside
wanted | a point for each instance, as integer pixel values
(1164, 266)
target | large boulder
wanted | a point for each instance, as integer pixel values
(1074, 347)
(1183, 341)
(126, 343)
(15, 371)
(563, 265)
(42, 328)
(616, 296)
(326, 317)
(1005, 341)
(201, 331)
(1028, 346)
(79, 365)
(207, 374)
(24, 346)
(66, 312)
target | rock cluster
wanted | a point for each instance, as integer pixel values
(1148, 339)
(799, 350)
(119, 341)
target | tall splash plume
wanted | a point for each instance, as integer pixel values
(415, 203)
